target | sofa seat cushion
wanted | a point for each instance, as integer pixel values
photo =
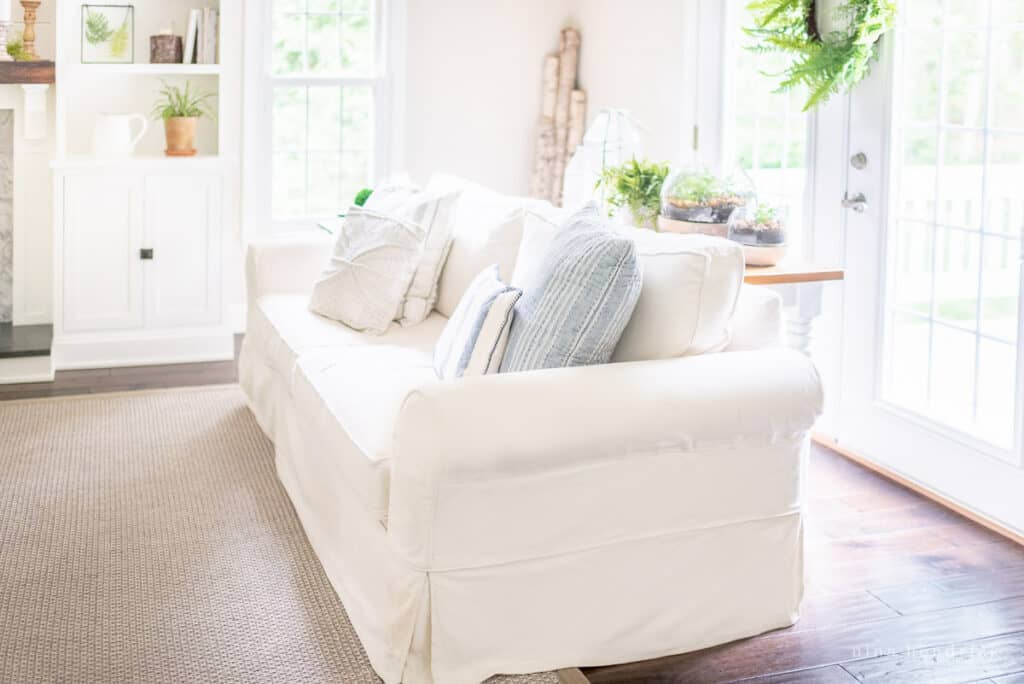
(283, 329)
(350, 397)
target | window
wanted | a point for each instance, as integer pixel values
(955, 240)
(324, 85)
(764, 133)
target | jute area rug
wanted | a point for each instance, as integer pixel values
(144, 537)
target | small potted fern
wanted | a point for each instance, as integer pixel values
(635, 186)
(180, 109)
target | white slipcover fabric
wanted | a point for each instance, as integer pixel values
(487, 230)
(653, 507)
(366, 279)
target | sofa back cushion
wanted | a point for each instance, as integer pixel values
(690, 287)
(684, 309)
(577, 303)
(487, 229)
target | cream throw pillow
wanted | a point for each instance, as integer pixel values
(432, 211)
(369, 272)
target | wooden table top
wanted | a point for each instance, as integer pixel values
(791, 271)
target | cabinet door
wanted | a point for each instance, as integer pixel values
(182, 227)
(102, 273)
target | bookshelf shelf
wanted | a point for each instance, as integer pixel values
(147, 69)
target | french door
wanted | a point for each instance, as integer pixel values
(932, 360)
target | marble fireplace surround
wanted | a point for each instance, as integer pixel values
(6, 215)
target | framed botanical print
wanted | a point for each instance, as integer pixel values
(108, 34)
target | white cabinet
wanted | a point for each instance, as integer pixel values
(139, 266)
(182, 228)
(102, 233)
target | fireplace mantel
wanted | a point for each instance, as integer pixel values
(35, 79)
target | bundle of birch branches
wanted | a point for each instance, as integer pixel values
(562, 118)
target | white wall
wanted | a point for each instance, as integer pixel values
(473, 86)
(633, 57)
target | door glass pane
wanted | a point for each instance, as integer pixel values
(953, 281)
(765, 132)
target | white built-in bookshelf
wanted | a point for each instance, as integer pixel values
(85, 90)
(140, 244)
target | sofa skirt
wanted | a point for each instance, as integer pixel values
(626, 601)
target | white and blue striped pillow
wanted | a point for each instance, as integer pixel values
(579, 300)
(474, 339)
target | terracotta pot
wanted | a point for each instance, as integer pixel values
(181, 135)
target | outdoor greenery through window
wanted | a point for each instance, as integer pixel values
(955, 247)
(323, 73)
(765, 132)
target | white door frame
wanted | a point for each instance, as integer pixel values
(979, 477)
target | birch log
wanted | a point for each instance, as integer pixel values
(577, 120)
(543, 169)
(567, 62)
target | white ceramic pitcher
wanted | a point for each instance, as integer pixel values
(112, 136)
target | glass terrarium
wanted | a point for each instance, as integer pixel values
(698, 196)
(761, 229)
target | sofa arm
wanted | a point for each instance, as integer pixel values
(286, 263)
(757, 322)
(513, 466)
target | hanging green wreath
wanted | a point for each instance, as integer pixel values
(825, 65)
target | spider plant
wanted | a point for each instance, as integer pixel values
(187, 102)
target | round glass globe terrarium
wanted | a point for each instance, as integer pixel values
(695, 200)
(761, 229)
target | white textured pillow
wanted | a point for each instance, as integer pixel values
(473, 342)
(369, 271)
(432, 212)
(538, 232)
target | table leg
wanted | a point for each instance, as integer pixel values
(803, 306)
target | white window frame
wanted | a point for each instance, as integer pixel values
(387, 85)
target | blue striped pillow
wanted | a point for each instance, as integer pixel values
(578, 301)
(473, 341)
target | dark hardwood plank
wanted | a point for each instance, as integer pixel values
(834, 674)
(960, 591)
(798, 650)
(949, 664)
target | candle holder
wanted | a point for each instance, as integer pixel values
(29, 35)
(5, 26)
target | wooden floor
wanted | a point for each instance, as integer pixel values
(899, 589)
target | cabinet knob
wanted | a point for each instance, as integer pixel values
(146, 253)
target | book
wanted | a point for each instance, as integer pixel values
(209, 35)
(191, 37)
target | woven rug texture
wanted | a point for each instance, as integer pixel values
(144, 537)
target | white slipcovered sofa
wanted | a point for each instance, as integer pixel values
(523, 522)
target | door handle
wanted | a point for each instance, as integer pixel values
(859, 203)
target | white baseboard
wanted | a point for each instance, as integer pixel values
(142, 348)
(26, 369)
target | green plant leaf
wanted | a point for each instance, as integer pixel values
(636, 186)
(826, 66)
(97, 27)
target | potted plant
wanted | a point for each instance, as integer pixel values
(761, 229)
(697, 200)
(832, 41)
(181, 109)
(636, 187)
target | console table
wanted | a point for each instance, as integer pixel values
(800, 284)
